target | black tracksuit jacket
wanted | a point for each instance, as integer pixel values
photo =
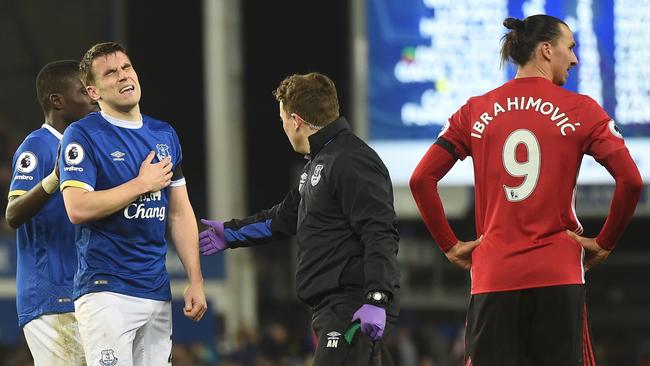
(343, 217)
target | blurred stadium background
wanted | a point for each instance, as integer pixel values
(208, 67)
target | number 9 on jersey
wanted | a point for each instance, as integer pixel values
(528, 169)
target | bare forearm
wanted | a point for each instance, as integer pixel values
(24, 207)
(184, 234)
(84, 206)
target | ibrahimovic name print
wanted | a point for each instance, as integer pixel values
(559, 118)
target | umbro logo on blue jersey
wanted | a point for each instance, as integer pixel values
(118, 155)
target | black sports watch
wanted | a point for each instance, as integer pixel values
(377, 297)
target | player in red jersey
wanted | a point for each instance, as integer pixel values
(527, 139)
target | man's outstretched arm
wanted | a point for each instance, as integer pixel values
(264, 227)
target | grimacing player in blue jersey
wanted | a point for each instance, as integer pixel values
(46, 254)
(123, 186)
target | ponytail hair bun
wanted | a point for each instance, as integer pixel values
(514, 24)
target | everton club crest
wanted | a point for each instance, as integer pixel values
(315, 178)
(108, 358)
(162, 151)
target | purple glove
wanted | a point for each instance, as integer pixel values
(373, 320)
(212, 240)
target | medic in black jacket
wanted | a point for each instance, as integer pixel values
(341, 211)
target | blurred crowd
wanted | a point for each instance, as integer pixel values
(9, 142)
(275, 345)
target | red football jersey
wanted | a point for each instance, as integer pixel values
(527, 139)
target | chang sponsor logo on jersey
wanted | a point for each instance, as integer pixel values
(139, 210)
(151, 196)
(26, 162)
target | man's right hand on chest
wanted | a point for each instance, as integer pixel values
(155, 176)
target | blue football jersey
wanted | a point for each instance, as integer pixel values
(46, 255)
(124, 252)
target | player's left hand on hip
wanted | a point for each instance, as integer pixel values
(372, 319)
(212, 240)
(594, 253)
(195, 303)
(461, 253)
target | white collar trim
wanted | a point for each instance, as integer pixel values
(122, 123)
(53, 130)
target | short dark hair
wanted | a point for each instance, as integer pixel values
(524, 36)
(312, 96)
(96, 51)
(55, 77)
